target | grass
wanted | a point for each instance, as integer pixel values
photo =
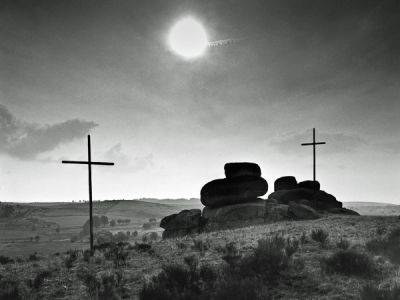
(304, 277)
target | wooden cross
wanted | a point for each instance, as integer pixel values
(314, 167)
(89, 162)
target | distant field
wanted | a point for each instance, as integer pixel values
(43, 219)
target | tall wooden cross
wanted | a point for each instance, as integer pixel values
(89, 162)
(314, 143)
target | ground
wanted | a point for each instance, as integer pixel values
(310, 282)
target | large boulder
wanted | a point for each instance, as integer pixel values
(285, 183)
(309, 184)
(183, 220)
(276, 211)
(233, 190)
(302, 212)
(235, 212)
(325, 201)
(241, 169)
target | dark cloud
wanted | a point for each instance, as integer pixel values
(335, 142)
(27, 140)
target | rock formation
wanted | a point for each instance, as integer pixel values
(183, 223)
(285, 183)
(234, 201)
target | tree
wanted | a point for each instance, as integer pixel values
(37, 238)
(104, 220)
(112, 223)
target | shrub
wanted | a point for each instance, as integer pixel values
(116, 253)
(370, 292)
(267, 261)
(343, 244)
(5, 260)
(33, 257)
(201, 245)
(241, 289)
(349, 262)
(181, 282)
(12, 289)
(142, 247)
(388, 245)
(231, 254)
(303, 238)
(320, 236)
(39, 278)
(72, 256)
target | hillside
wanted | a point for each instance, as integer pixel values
(306, 277)
(56, 223)
(374, 208)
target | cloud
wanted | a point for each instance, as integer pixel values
(289, 143)
(26, 141)
(139, 163)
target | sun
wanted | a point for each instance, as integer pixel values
(188, 38)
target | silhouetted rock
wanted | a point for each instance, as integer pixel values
(234, 190)
(285, 183)
(302, 212)
(276, 211)
(182, 220)
(343, 211)
(309, 184)
(251, 210)
(325, 201)
(241, 169)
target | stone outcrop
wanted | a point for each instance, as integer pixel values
(309, 184)
(343, 211)
(302, 212)
(324, 200)
(241, 169)
(233, 190)
(235, 212)
(285, 183)
(183, 223)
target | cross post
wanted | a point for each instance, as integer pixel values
(314, 143)
(89, 162)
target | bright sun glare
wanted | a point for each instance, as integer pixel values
(188, 38)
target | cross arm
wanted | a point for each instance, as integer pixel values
(310, 144)
(85, 162)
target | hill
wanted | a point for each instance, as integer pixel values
(72, 276)
(55, 223)
(374, 208)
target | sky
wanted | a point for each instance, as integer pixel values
(70, 68)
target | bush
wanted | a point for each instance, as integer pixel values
(231, 254)
(343, 244)
(72, 256)
(370, 292)
(12, 289)
(143, 247)
(388, 245)
(33, 257)
(39, 278)
(241, 289)
(201, 245)
(320, 236)
(242, 279)
(181, 282)
(268, 261)
(5, 260)
(350, 262)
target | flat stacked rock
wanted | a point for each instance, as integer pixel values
(285, 183)
(303, 194)
(183, 223)
(235, 198)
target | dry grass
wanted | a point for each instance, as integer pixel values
(307, 281)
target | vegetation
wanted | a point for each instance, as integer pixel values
(370, 292)
(350, 262)
(320, 236)
(388, 245)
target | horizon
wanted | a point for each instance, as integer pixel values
(272, 72)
